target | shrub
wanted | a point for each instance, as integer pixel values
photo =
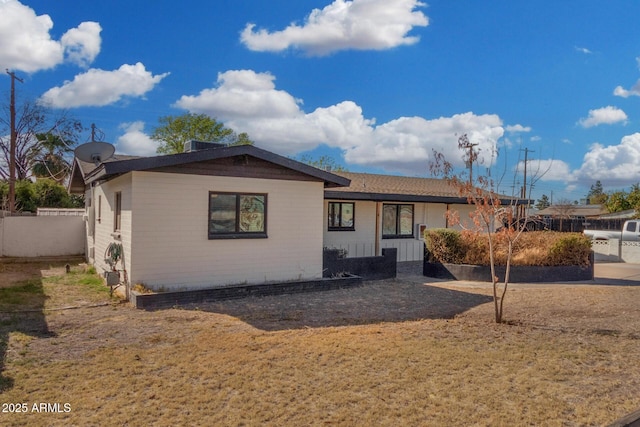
(572, 249)
(546, 248)
(444, 245)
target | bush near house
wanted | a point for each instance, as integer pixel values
(544, 248)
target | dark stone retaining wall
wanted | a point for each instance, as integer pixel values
(171, 299)
(370, 268)
(518, 274)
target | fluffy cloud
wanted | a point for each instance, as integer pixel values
(356, 24)
(548, 170)
(82, 44)
(249, 102)
(134, 141)
(25, 43)
(606, 115)
(99, 87)
(614, 164)
(517, 128)
(634, 91)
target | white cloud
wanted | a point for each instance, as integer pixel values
(633, 91)
(614, 164)
(134, 141)
(548, 170)
(606, 115)
(356, 24)
(82, 44)
(517, 128)
(243, 93)
(583, 50)
(247, 101)
(26, 45)
(99, 87)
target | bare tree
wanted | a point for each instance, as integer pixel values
(32, 118)
(564, 208)
(495, 215)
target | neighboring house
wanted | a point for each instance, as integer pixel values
(207, 218)
(572, 211)
(382, 211)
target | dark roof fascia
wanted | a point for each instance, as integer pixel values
(384, 197)
(114, 168)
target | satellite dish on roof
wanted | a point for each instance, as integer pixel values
(95, 152)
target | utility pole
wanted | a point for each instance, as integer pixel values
(523, 193)
(12, 147)
(526, 160)
(472, 156)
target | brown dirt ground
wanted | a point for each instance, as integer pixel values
(582, 307)
(60, 334)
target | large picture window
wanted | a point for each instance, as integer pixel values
(237, 215)
(397, 221)
(341, 216)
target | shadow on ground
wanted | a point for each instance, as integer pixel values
(373, 302)
(21, 310)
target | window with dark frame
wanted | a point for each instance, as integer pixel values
(237, 215)
(397, 221)
(117, 212)
(341, 216)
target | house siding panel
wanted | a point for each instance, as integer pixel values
(361, 242)
(104, 233)
(172, 250)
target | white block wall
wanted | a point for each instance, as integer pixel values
(37, 236)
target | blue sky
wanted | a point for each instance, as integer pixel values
(376, 84)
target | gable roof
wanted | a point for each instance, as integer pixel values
(375, 187)
(214, 161)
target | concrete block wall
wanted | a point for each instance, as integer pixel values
(40, 236)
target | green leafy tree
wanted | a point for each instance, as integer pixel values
(596, 195)
(323, 162)
(618, 201)
(543, 202)
(44, 193)
(242, 139)
(174, 131)
(634, 197)
(49, 157)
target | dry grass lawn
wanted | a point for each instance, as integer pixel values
(570, 357)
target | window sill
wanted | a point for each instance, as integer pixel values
(341, 229)
(238, 236)
(399, 237)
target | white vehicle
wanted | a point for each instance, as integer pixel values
(630, 232)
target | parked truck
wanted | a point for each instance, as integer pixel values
(630, 232)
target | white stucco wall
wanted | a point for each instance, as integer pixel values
(37, 236)
(171, 249)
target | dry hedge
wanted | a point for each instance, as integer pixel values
(547, 248)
